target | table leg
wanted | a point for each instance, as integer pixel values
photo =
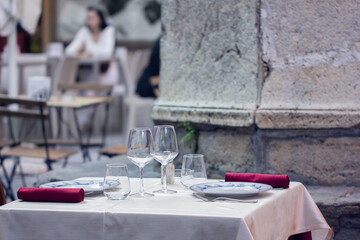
(83, 147)
(96, 71)
(91, 126)
(9, 179)
(59, 122)
(104, 128)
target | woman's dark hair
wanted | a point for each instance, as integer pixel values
(103, 23)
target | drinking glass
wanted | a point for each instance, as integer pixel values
(116, 181)
(164, 150)
(138, 151)
(193, 170)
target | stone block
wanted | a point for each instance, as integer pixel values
(313, 160)
(312, 49)
(322, 86)
(209, 52)
(221, 117)
(304, 119)
(295, 27)
(226, 150)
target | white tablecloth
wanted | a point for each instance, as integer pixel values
(277, 215)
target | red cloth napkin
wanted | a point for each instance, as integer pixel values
(72, 195)
(276, 181)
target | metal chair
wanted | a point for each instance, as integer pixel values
(113, 151)
(2, 194)
(28, 109)
(132, 101)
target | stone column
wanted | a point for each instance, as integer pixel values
(209, 71)
(271, 86)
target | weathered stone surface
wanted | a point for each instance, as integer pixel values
(313, 49)
(209, 52)
(283, 119)
(226, 150)
(314, 87)
(315, 160)
(225, 117)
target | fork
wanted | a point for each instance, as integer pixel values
(223, 199)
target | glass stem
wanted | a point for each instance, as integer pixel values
(164, 188)
(141, 191)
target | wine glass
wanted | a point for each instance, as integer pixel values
(138, 151)
(164, 150)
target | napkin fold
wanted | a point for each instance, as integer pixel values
(276, 181)
(71, 195)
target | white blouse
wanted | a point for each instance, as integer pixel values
(104, 47)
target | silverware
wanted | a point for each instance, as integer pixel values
(223, 199)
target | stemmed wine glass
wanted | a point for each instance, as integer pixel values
(138, 151)
(164, 150)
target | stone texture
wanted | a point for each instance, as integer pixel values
(315, 87)
(327, 161)
(209, 60)
(283, 119)
(226, 150)
(224, 117)
(313, 50)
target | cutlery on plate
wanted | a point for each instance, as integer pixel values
(224, 199)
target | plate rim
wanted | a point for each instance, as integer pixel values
(268, 188)
(75, 180)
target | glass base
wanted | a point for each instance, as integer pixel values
(168, 191)
(144, 195)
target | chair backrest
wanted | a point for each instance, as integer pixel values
(16, 107)
(6, 101)
(2, 195)
(137, 64)
(65, 72)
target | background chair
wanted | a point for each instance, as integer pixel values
(133, 103)
(113, 151)
(2, 194)
(27, 109)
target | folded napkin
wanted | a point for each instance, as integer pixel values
(72, 195)
(276, 181)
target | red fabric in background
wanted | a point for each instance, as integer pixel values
(71, 195)
(301, 236)
(276, 181)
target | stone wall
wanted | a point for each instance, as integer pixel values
(271, 86)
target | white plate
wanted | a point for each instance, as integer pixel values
(231, 189)
(87, 185)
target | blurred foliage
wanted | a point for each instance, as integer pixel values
(191, 133)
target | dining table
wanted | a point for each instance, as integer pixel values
(76, 103)
(278, 214)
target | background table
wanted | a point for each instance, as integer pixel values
(76, 103)
(277, 215)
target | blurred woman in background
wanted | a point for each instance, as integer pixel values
(96, 40)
